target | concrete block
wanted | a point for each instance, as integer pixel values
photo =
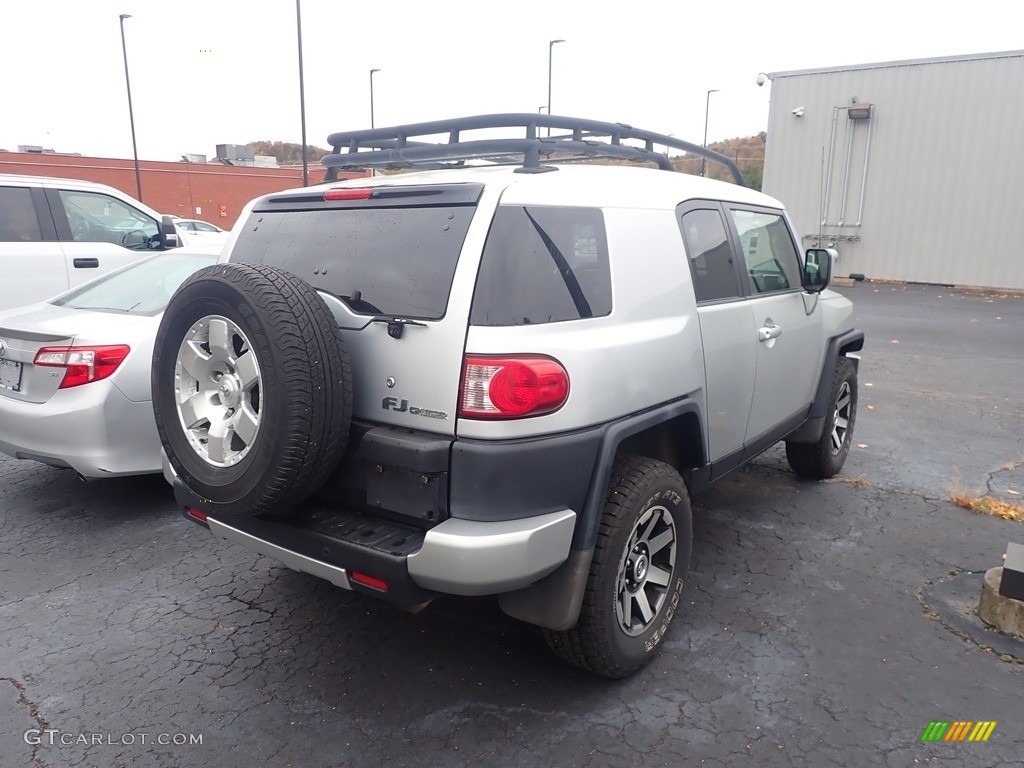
(1012, 582)
(1002, 613)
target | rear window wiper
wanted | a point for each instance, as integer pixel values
(396, 325)
(359, 305)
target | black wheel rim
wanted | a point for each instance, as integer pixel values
(841, 418)
(645, 571)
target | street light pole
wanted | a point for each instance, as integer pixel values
(302, 94)
(551, 47)
(707, 107)
(371, 95)
(131, 111)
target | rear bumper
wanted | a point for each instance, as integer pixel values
(467, 557)
(458, 557)
(93, 429)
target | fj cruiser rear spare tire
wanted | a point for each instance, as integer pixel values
(252, 389)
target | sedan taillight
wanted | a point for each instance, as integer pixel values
(512, 387)
(83, 364)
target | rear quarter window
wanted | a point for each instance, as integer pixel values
(543, 265)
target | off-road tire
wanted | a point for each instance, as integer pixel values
(639, 490)
(302, 396)
(825, 458)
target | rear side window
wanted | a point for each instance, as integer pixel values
(381, 261)
(18, 222)
(711, 260)
(543, 265)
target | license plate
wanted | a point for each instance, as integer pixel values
(10, 375)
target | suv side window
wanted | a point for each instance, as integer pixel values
(710, 255)
(772, 262)
(97, 218)
(18, 221)
(543, 265)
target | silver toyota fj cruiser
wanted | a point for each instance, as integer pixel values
(503, 373)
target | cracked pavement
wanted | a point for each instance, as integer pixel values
(806, 635)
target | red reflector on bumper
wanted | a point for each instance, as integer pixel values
(369, 581)
(198, 514)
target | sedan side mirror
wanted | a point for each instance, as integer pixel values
(818, 269)
(168, 236)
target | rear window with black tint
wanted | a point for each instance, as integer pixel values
(18, 222)
(388, 261)
(543, 265)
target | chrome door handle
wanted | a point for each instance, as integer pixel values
(768, 332)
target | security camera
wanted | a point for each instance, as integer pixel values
(798, 112)
(761, 79)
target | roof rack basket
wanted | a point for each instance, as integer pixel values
(575, 140)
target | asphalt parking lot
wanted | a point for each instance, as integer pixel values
(825, 624)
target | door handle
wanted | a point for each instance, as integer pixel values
(768, 332)
(86, 263)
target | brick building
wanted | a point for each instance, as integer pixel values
(213, 193)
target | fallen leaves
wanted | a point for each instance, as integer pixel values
(986, 505)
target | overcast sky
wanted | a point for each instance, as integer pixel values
(207, 72)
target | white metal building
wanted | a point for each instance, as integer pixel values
(914, 170)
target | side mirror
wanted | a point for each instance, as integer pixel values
(818, 269)
(168, 236)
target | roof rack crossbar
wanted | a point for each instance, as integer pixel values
(488, 149)
(391, 147)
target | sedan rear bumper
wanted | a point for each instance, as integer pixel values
(93, 429)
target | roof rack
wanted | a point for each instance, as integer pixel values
(401, 146)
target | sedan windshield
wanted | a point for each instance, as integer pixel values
(144, 288)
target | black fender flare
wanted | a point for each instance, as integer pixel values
(554, 601)
(810, 430)
(612, 437)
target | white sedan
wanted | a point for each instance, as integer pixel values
(75, 370)
(201, 232)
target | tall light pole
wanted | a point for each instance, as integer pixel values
(302, 95)
(371, 95)
(707, 106)
(551, 47)
(131, 111)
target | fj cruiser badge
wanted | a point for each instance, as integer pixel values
(394, 404)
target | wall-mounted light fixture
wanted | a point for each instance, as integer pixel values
(859, 111)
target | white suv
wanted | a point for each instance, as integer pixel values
(56, 234)
(502, 380)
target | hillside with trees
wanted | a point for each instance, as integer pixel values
(747, 152)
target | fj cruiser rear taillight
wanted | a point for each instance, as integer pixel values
(512, 387)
